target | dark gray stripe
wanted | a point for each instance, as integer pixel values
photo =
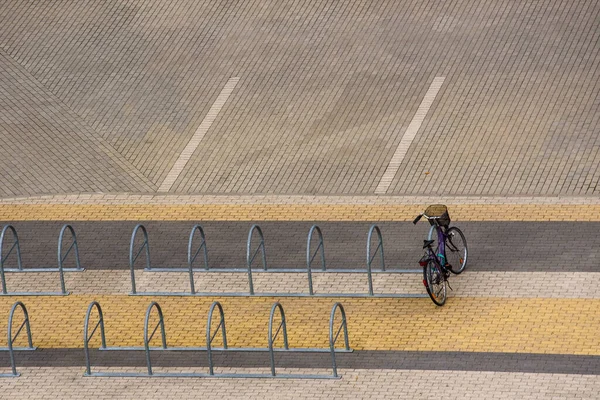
(497, 246)
(399, 360)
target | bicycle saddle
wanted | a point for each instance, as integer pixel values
(427, 243)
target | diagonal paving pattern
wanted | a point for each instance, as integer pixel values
(46, 148)
(326, 92)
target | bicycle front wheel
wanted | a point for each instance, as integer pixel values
(436, 284)
(456, 250)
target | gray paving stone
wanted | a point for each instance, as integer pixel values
(68, 382)
(326, 91)
(46, 148)
(389, 360)
(493, 246)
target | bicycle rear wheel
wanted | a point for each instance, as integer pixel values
(435, 283)
(456, 250)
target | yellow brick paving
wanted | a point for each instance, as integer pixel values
(293, 212)
(552, 326)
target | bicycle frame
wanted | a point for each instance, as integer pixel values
(441, 256)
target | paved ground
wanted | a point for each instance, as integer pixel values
(524, 320)
(48, 383)
(494, 246)
(326, 92)
(289, 113)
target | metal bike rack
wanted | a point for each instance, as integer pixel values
(253, 252)
(191, 259)
(210, 336)
(370, 258)
(332, 339)
(11, 339)
(145, 246)
(250, 259)
(272, 337)
(61, 259)
(148, 338)
(4, 257)
(371, 255)
(87, 338)
(311, 256)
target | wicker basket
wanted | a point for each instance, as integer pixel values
(441, 212)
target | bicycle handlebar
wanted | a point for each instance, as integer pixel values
(435, 219)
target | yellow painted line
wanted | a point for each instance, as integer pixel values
(552, 326)
(292, 212)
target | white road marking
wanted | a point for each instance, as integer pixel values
(409, 135)
(187, 152)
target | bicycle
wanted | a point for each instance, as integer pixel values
(435, 263)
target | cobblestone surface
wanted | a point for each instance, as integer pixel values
(501, 284)
(326, 92)
(494, 246)
(98, 99)
(305, 363)
(175, 199)
(50, 383)
(495, 325)
(46, 148)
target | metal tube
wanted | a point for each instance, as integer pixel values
(61, 275)
(209, 340)
(210, 337)
(3, 258)
(374, 228)
(87, 338)
(19, 330)
(162, 331)
(2, 276)
(62, 258)
(332, 340)
(192, 259)
(282, 325)
(132, 259)
(271, 353)
(249, 259)
(11, 339)
(310, 256)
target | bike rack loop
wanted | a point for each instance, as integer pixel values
(370, 258)
(4, 257)
(87, 338)
(311, 256)
(132, 259)
(333, 339)
(210, 336)
(62, 258)
(250, 259)
(147, 339)
(191, 258)
(11, 338)
(282, 325)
